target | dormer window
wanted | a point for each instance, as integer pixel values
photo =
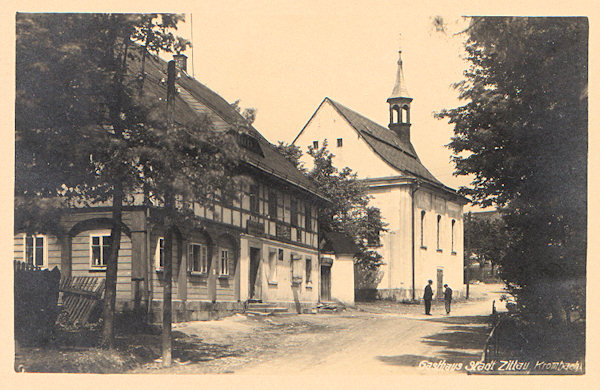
(250, 143)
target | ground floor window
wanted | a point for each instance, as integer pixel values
(308, 270)
(198, 257)
(272, 265)
(160, 253)
(296, 265)
(99, 249)
(224, 269)
(35, 250)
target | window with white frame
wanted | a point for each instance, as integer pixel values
(224, 264)
(198, 257)
(36, 253)
(308, 261)
(99, 249)
(272, 265)
(159, 255)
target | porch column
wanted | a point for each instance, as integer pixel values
(66, 265)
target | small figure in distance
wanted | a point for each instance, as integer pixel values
(427, 297)
(447, 298)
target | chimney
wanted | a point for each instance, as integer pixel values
(181, 61)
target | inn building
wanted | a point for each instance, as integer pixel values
(261, 246)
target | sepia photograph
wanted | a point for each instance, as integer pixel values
(300, 189)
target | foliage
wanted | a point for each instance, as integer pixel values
(349, 211)
(249, 113)
(487, 238)
(292, 153)
(522, 133)
(89, 132)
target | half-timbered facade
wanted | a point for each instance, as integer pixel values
(262, 244)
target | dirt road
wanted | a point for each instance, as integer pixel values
(371, 340)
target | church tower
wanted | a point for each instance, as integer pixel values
(399, 103)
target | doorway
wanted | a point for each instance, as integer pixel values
(325, 283)
(254, 292)
(440, 284)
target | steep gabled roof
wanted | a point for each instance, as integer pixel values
(193, 99)
(386, 144)
(338, 243)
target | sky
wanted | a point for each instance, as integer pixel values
(284, 58)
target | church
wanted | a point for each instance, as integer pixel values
(425, 218)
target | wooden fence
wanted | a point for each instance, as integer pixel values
(80, 296)
(36, 302)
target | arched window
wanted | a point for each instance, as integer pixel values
(395, 114)
(405, 114)
(437, 240)
(452, 236)
(422, 229)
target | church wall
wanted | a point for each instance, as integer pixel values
(394, 203)
(396, 245)
(431, 254)
(328, 124)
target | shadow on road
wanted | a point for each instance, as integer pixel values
(460, 341)
(464, 320)
(404, 360)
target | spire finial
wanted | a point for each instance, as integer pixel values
(400, 86)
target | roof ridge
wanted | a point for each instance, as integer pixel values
(413, 155)
(273, 161)
(413, 167)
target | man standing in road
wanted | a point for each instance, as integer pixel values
(427, 296)
(447, 298)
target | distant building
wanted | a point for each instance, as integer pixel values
(425, 217)
(262, 246)
(337, 252)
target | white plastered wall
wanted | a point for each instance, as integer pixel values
(328, 124)
(342, 279)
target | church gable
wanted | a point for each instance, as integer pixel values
(343, 140)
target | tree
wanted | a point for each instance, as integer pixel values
(292, 153)
(249, 113)
(487, 238)
(522, 133)
(88, 131)
(349, 211)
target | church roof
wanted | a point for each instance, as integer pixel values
(194, 97)
(400, 154)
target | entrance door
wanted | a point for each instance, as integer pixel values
(325, 283)
(254, 279)
(440, 284)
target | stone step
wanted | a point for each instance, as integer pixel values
(261, 304)
(268, 309)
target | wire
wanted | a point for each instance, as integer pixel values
(192, 41)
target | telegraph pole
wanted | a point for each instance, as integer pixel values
(167, 313)
(467, 252)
